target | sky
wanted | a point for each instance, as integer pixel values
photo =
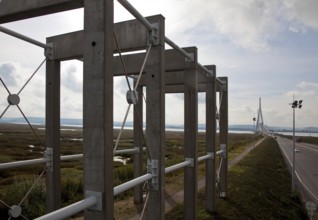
(267, 49)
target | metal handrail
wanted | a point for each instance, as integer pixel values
(70, 210)
(23, 37)
(44, 160)
(205, 157)
(132, 183)
(92, 200)
(177, 166)
(22, 163)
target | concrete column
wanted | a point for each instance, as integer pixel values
(138, 143)
(190, 135)
(223, 136)
(210, 136)
(98, 106)
(155, 124)
(52, 135)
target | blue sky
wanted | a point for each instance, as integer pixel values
(268, 49)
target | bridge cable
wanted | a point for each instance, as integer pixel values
(17, 207)
(146, 201)
(17, 103)
(122, 61)
(136, 86)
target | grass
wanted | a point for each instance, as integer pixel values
(14, 143)
(258, 188)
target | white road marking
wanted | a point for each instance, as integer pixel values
(297, 174)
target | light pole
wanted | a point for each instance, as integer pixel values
(295, 104)
(254, 128)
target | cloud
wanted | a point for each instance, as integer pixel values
(251, 25)
(302, 12)
(72, 78)
(7, 72)
(247, 24)
(15, 76)
(304, 89)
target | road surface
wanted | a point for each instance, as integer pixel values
(306, 165)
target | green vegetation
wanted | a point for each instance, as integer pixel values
(258, 188)
(14, 145)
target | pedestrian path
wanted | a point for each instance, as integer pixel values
(177, 197)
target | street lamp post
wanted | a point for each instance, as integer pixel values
(254, 127)
(295, 104)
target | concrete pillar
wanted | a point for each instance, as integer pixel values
(138, 143)
(52, 135)
(155, 124)
(190, 136)
(98, 107)
(210, 136)
(223, 136)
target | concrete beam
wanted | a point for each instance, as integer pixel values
(180, 88)
(98, 106)
(224, 137)
(131, 36)
(155, 126)
(52, 135)
(138, 143)
(68, 46)
(21, 9)
(210, 137)
(191, 136)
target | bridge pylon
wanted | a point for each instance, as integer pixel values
(260, 128)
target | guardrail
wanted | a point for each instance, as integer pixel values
(71, 209)
(92, 200)
(45, 159)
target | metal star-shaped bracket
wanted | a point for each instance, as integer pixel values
(14, 99)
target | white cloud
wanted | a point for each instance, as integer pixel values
(305, 90)
(15, 76)
(227, 33)
(72, 76)
(302, 12)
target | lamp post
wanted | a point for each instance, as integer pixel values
(254, 128)
(295, 104)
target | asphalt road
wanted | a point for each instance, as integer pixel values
(306, 164)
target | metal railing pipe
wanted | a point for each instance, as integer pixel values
(43, 160)
(132, 183)
(220, 81)
(205, 69)
(23, 37)
(22, 163)
(136, 14)
(219, 152)
(177, 166)
(126, 151)
(70, 210)
(72, 157)
(176, 47)
(205, 157)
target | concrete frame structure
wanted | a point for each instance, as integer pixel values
(162, 75)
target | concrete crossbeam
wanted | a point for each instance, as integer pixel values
(21, 9)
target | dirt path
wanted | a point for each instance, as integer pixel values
(177, 197)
